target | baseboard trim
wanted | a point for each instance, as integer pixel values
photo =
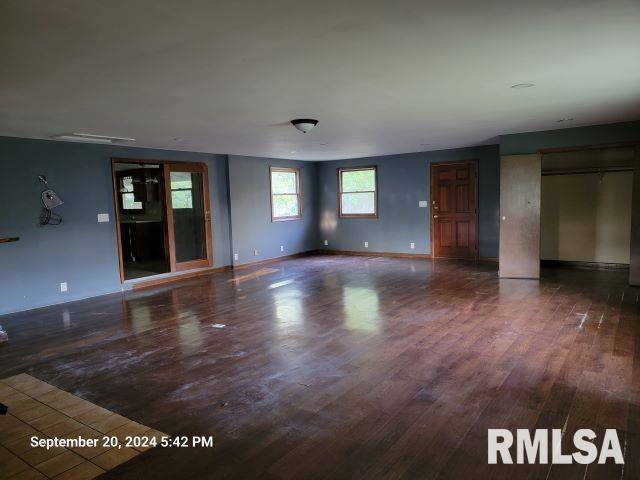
(488, 259)
(178, 277)
(357, 253)
(274, 260)
(584, 265)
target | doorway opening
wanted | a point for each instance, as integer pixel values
(163, 220)
(454, 209)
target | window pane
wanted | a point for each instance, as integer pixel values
(181, 180)
(285, 206)
(127, 184)
(358, 203)
(283, 182)
(181, 199)
(187, 202)
(358, 180)
(128, 202)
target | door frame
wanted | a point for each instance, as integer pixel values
(432, 167)
(168, 241)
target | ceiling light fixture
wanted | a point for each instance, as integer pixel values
(523, 85)
(90, 138)
(305, 125)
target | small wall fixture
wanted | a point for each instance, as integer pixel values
(304, 124)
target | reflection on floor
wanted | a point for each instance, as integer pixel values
(144, 269)
(44, 411)
(350, 367)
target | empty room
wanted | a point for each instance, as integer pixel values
(334, 240)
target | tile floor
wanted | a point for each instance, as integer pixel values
(37, 408)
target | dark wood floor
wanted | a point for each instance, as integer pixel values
(350, 367)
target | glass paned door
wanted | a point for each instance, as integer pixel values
(188, 216)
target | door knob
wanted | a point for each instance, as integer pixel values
(435, 216)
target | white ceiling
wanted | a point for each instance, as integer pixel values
(381, 76)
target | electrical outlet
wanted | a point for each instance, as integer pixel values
(412, 245)
(64, 287)
(282, 248)
(235, 256)
(255, 252)
(366, 244)
(103, 218)
(326, 243)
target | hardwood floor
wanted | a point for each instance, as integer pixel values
(334, 367)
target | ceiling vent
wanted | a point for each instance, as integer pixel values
(90, 138)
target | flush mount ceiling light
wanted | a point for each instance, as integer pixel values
(518, 86)
(304, 124)
(90, 138)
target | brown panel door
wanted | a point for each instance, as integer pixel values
(454, 209)
(520, 216)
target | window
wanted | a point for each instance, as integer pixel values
(358, 195)
(181, 190)
(128, 197)
(285, 193)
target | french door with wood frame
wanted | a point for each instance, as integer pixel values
(454, 209)
(188, 215)
(186, 218)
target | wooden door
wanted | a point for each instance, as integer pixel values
(520, 216)
(454, 209)
(188, 216)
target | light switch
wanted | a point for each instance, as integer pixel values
(423, 204)
(103, 218)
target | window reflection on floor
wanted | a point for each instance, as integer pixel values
(289, 312)
(361, 309)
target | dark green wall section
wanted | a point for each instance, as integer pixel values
(531, 142)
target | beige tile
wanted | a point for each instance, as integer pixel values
(58, 399)
(29, 474)
(129, 429)
(63, 427)
(32, 455)
(88, 452)
(6, 390)
(15, 399)
(10, 464)
(25, 404)
(114, 457)
(60, 463)
(84, 471)
(12, 429)
(47, 420)
(19, 381)
(109, 422)
(38, 388)
(36, 411)
(93, 415)
(77, 408)
(151, 433)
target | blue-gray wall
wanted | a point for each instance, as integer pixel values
(81, 251)
(531, 142)
(251, 223)
(403, 180)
